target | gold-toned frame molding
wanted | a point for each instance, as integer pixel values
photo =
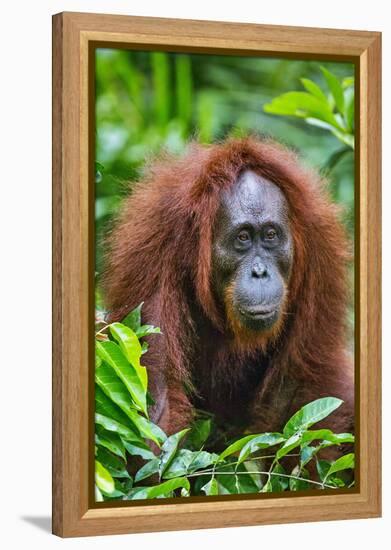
(74, 514)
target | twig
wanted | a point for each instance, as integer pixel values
(323, 485)
(102, 329)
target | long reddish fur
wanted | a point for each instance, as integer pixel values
(159, 252)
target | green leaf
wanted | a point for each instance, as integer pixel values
(236, 446)
(117, 391)
(131, 348)
(111, 353)
(260, 442)
(147, 428)
(133, 319)
(211, 488)
(162, 490)
(169, 449)
(179, 465)
(110, 441)
(150, 468)
(291, 443)
(345, 462)
(138, 448)
(310, 414)
(105, 406)
(335, 88)
(113, 426)
(313, 89)
(202, 459)
(199, 433)
(186, 462)
(112, 463)
(114, 388)
(238, 482)
(326, 436)
(103, 478)
(302, 105)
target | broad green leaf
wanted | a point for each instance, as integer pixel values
(345, 462)
(201, 460)
(105, 406)
(169, 448)
(131, 348)
(117, 391)
(314, 89)
(147, 428)
(164, 489)
(238, 481)
(261, 442)
(291, 443)
(133, 319)
(211, 488)
(111, 353)
(302, 105)
(335, 88)
(326, 436)
(236, 446)
(103, 478)
(179, 465)
(150, 468)
(114, 388)
(110, 441)
(310, 414)
(112, 463)
(113, 426)
(199, 433)
(186, 462)
(138, 448)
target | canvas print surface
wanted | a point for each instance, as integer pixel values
(224, 275)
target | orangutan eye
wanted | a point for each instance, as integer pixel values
(270, 234)
(243, 236)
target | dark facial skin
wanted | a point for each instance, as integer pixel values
(252, 251)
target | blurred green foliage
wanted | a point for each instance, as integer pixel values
(149, 101)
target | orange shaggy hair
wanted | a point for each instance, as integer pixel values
(159, 252)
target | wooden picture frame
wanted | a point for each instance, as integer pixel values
(75, 35)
